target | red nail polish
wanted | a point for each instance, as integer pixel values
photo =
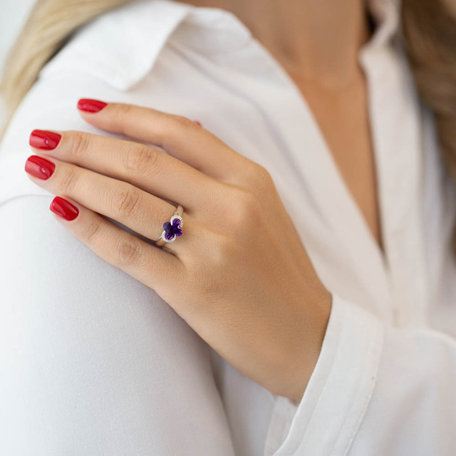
(39, 167)
(90, 105)
(64, 208)
(43, 139)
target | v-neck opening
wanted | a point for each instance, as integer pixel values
(341, 183)
(384, 16)
(368, 262)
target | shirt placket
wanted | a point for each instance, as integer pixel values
(396, 120)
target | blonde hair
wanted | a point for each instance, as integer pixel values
(429, 28)
(49, 25)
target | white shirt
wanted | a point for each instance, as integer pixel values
(93, 362)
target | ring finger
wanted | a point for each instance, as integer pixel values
(138, 210)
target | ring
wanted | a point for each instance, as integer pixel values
(172, 229)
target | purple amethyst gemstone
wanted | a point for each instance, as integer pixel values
(172, 230)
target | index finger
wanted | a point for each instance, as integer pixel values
(176, 134)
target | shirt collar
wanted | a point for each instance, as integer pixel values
(386, 14)
(121, 46)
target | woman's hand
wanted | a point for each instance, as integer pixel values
(238, 275)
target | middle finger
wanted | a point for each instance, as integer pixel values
(144, 166)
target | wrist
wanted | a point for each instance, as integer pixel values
(303, 363)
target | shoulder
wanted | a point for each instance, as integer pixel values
(95, 63)
(104, 60)
(123, 55)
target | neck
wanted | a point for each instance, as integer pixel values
(315, 40)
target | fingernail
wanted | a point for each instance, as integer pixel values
(64, 208)
(39, 167)
(90, 105)
(43, 139)
(198, 123)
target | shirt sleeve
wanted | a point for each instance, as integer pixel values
(376, 389)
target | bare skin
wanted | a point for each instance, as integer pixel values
(317, 43)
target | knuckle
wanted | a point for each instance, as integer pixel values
(263, 175)
(119, 115)
(68, 180)
(126, 202)
(220, 253)
(141, 159)
(123, 110)
(91, 231)
(223, 251)
(247, 207)
(79, 143)
(245, 213)
(259, 178)
(172, 127)
(184, 122)
(129, 251)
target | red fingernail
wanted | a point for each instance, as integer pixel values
(198, 123)
(44, 139)
(90, 105)
(64, 208)
(39, 167)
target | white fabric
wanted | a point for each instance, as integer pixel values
(93, 362)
